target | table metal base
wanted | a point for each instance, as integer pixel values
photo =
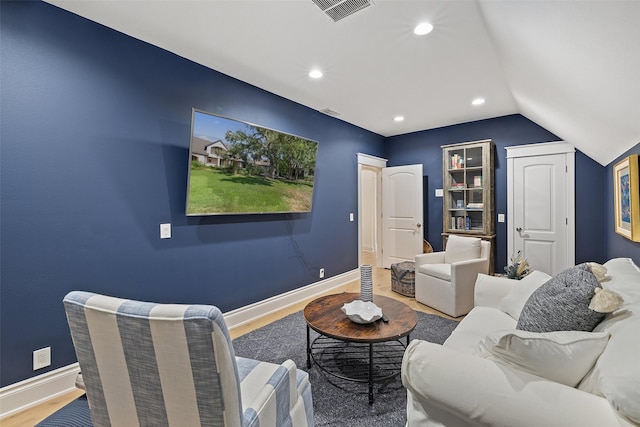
(360, 362)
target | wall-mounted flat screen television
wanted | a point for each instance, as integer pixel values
(241, 168)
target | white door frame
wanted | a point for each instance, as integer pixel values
(379, 163)
(542, 149)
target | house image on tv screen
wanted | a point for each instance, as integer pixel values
(210, 153)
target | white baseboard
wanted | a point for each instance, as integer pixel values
(251, 312)
(33, 391)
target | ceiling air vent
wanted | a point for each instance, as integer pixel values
(338, 9)
(330, 112)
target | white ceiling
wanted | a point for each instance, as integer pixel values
(572, 66)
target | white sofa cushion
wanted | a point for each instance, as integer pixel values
(564, 357)
(474, 327)
(624, 280)
(616, 374)
(461, 248)
(441, 271)
(621, 266)
(489, 290)
(513, 302)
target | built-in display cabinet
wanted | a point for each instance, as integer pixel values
(468, 184)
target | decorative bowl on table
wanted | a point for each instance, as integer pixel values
(362, 312)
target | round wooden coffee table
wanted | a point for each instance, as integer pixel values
(324, 315)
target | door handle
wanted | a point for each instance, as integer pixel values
(518, 229)
(418, 225)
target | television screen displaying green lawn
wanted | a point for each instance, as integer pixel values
(241, 168)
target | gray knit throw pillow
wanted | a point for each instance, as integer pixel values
(562, 304)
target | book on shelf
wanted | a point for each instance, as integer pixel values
(477, 181)
(464, 223)
(457, 222)
(457, 161)
(461, 223)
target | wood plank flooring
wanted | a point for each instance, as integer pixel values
(381, 286)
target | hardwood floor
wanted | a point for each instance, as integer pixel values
(381, 286)
(34, 415)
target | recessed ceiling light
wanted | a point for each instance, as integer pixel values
(398, 119)
(315, 74)
(422, 29)
(478, 101)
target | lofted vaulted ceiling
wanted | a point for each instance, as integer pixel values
(573, 66)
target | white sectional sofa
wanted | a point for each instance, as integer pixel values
(489, 374)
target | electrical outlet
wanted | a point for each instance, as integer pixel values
(322, 273)
(41, 358)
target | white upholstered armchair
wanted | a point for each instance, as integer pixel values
(445, 280)
(146, 364)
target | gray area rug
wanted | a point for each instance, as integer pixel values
(335, 402)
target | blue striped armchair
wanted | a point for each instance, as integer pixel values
(146, 364)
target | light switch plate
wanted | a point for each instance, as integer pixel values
(439, 192)
(500, 217)
(165, 231)
(351, 217)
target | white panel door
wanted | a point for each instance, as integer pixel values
(402, 235)
(540, 217)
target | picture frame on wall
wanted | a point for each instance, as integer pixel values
(626, 198)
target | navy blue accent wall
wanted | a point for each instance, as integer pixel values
(617, 245)
(590, 215)
(94, 139)
(424, 147)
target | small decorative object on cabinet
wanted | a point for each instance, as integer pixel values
(468, 205)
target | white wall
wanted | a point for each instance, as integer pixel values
(369, 203)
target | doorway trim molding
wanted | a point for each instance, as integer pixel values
(543, 149)
(378, 163)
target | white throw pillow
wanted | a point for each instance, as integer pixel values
(461, 248)
(563, 356)
(513, 302)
